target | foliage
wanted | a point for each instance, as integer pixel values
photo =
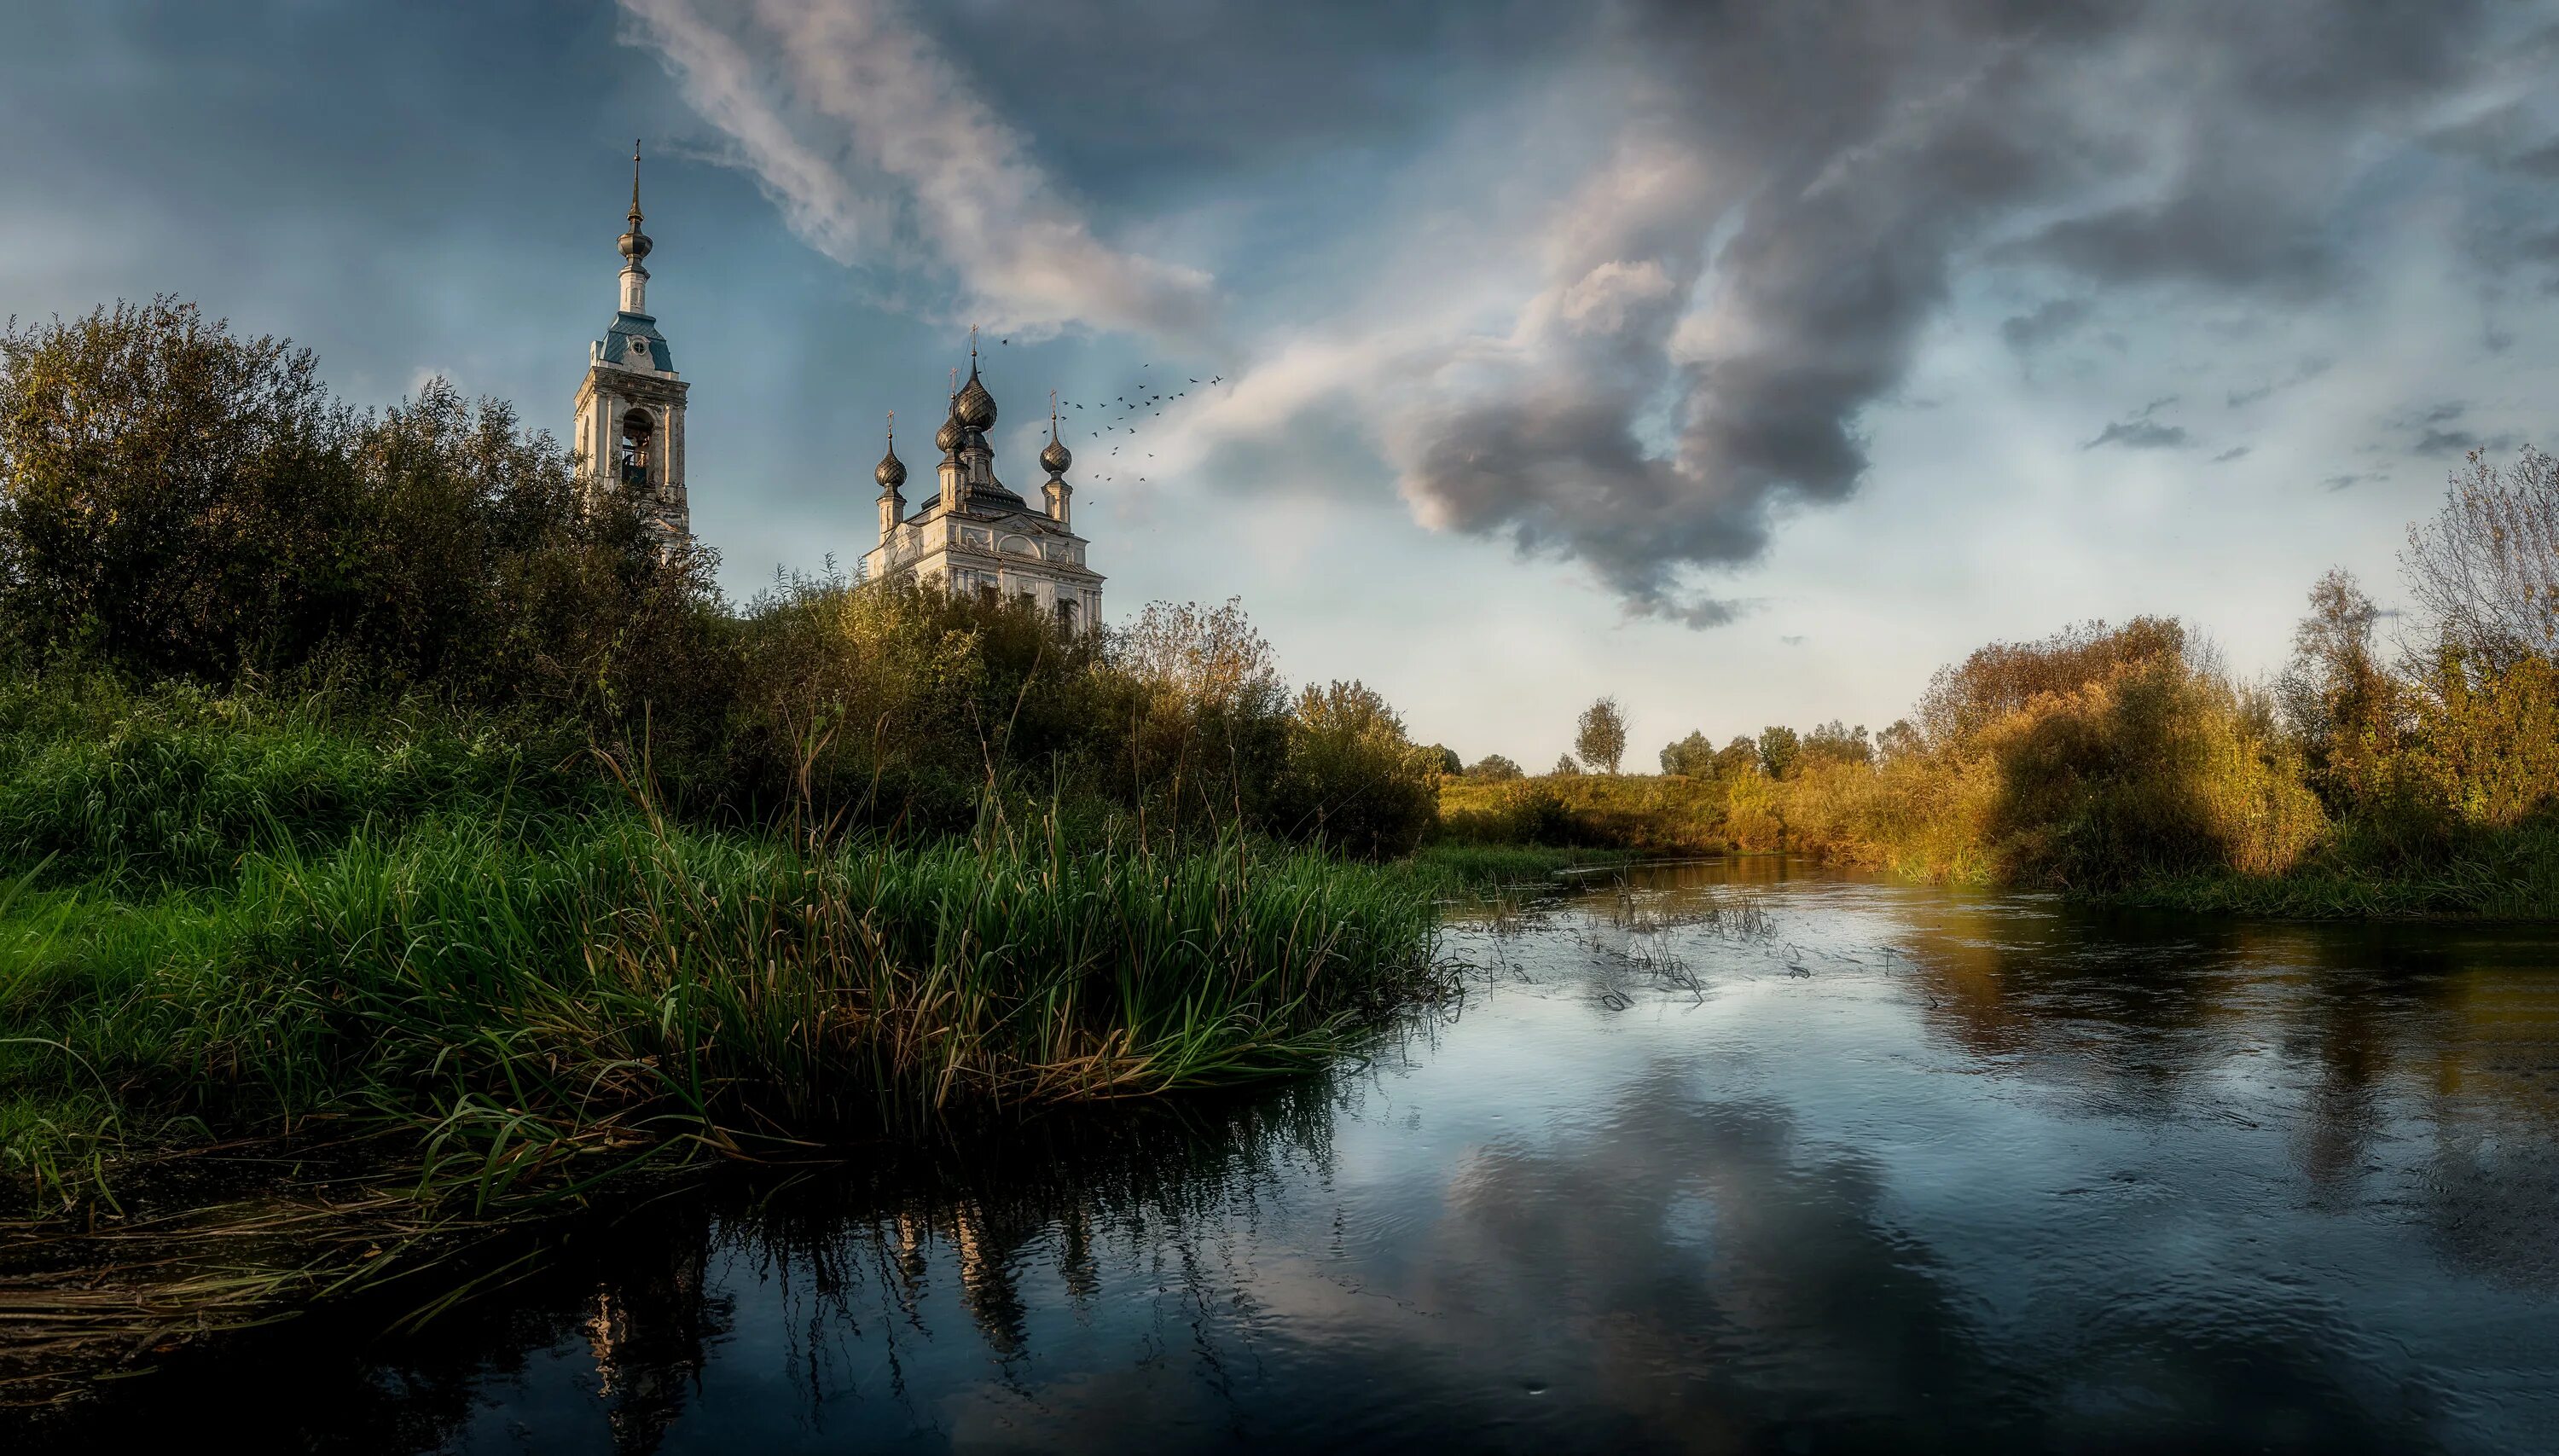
(1834, 742)
(1600, 735)
(1353, 779)
(1565, 766)
(1779, 748)
(1693, 756)
(1492, 768)
(177, 502)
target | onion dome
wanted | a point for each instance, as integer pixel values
(890, 472)
(952, 434)
(1056, 457)
(976, 407)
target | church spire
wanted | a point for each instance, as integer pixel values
(635, 246)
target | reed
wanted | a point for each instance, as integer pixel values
(527, 1004)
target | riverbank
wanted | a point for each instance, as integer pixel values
(328, 1070)
(1892, 819)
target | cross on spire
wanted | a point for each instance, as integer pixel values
(635, 184)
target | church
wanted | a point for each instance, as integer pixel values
(974, 534)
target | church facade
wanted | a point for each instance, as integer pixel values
(973, 534)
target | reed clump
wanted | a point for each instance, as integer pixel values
(522, 1003)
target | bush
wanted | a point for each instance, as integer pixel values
(1354, 781)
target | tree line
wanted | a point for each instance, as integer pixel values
(187, 509)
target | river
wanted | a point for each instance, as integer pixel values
(1735, 1157)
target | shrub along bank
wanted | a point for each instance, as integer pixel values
(2123, 763)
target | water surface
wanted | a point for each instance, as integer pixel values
(1737, 1158)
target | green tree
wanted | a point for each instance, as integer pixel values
(1779, 749)
(1600, 736)
(1739, 757)
(1834, 742)
(1565, 766)
(1353, 779)
(1693, 756)
(1492, 768)
(1450, 765)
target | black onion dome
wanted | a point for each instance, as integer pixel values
(947, 439)
(976, 407)
(891, 470)
(1056, 457)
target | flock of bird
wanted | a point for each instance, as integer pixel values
(1120, 416)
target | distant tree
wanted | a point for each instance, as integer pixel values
(1900, 741)
(1834, 742)
(1492, 768)
(2336, 698)
(1693, 756)
(1779, 748)
(1449, 764)
(1565, 766)
(2486, 570)
(1602, 735)
(1735, 758)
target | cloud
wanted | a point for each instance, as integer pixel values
(2140, 434)
(2310, 367)
(1734, 242)
(2045, 324)
(2458, 442)
(830, 104)
(2341, 482)
(2438, 431)
(1842, 161)
(2231, 453)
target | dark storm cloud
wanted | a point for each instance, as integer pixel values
(1845, 156)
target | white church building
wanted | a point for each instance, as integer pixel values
(973, 534)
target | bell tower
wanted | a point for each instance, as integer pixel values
(630, 405)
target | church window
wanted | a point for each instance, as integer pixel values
(638, 429)
(1066, 614)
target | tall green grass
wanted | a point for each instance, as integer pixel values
(519, 1004)
(145, 789)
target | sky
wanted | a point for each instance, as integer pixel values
(1745, 360)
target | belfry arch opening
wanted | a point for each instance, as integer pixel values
(639, 432)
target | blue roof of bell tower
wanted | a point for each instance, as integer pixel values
(632, 342)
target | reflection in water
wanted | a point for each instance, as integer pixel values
(1869, 1168)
